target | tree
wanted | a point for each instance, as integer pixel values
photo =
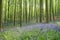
(47, 20)
(29, 10)
(15, 13)
(26, 10)
(20, 13)
(53, 15)
(0, 15)
(36, 10)
(8, 11)
(50, 9)
(41, 10)
(5, 13)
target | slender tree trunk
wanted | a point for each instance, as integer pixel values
(5, 14)
(47, 20)
(36, 11)
(50, 10)
(23, 11)
(8, 12)
(0, 15)
(29, 11)
(20, 13)
(41, 10)
(26, 10)
(15, 13)
(33, 10)
(55, 11)
(8, 7)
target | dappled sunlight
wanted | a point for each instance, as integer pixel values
(44, 6)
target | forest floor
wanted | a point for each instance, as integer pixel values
(37, 25)
(16, 31)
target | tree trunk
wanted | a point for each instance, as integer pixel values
(8, 12)
(50, 10)
(47, 20)
(0, 15)
(20, 13)
(15, 13)
(41, 10)
(5, 14)
(26, 10)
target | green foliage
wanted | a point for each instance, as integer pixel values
(58, 23)
(35, 34)
(29, 11)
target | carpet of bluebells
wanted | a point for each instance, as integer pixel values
(34, 32)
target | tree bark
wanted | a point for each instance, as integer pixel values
(53, 10)
(0, 15)
(41, 9)
(15, 13)
(20, 13)
(8, 12)
(50, 10)
(47, 20)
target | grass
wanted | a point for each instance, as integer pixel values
(35, 34)
(58, 23)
